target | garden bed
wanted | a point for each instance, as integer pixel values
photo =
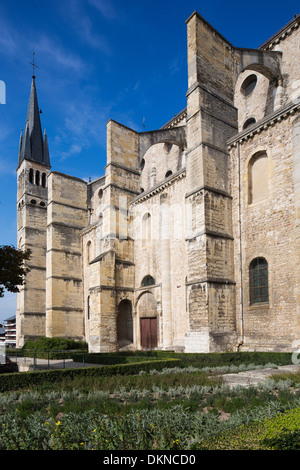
(164, 408)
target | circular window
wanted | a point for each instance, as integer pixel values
(248, 85)
(169, 173)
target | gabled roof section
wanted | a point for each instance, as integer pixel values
(32, 145)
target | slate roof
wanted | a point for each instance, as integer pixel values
(33, 146)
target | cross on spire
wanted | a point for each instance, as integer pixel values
(33, 146)
(33, 65)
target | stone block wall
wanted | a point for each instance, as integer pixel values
(256, 105)
(211, 120)
(158, 161)
(268, 231)
(32, 230)
(163, 256)
(109, 274)
(288, 44)
(213, 66)
(266, 225)
(67, 216)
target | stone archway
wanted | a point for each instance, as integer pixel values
(267, 63)
(176, 136)
(124, 324)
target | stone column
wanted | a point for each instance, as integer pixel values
(278, 95)
(166, 273)
(67, 215)
(153, 170)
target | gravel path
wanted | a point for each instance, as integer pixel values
(253, 377)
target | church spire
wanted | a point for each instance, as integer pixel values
(34, 147)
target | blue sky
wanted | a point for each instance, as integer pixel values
(99, 60)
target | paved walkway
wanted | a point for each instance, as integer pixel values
(253, 377)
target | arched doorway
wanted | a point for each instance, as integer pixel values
(124, 324)
(148, 317)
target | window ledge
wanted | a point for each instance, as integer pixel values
(265, 305)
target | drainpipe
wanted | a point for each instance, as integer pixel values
(241, 316)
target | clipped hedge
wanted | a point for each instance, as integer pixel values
(18, 380)
(113, 358)
(233, 358)
(199, 360)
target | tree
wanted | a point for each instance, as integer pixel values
(12, 268)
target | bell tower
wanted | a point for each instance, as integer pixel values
(32, 199)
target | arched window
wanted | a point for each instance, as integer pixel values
(44, 180)
(258, 178)
(88, 252)
(37, 178)
(142, 164)
(168, 147)
(88, 307)
(31, 176)
(258, 281)
(249, 123)
(146, 229)
(147, 281)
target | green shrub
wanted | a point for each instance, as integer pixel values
(232, 358)
(59, 344)
(281, 432)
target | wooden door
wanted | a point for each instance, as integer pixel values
(149, 333)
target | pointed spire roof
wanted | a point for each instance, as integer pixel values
(32, 145)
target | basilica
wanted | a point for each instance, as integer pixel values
(189, 240)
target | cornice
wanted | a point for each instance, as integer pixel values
(175, 120)
(262, 125)
(160, 187)
(282, 33)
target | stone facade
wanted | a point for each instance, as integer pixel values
(189, 241)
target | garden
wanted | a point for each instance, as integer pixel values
(152, 401)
